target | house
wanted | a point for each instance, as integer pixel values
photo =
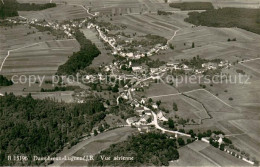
(209, 66)
(142, 101)
(161, 117)
(154, 70)
(220, 139)
(144, 119)
(139, 110)
(130, 55)
(144, 129)
(148, 112)
(131, 120)
(155, 106)
(135, 103)
(137, 68)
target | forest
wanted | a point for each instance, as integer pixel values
(4, 81)
(248, 19)
(41, 127)
(81, 59)
(192, 5)
(10, 8)
(147, 149)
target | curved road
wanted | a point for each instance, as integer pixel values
(155, 123)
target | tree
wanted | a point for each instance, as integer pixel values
(193, 45)
(170, 123)
(181, 142)
(115, 88)
(158, 103)
(165, 1)
(171, 46)
(175, 107)
(222, 147)
(95, 132)
(189, 141)
(200, 136)
(100, 128)
(150, 100)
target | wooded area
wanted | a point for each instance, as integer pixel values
(81, 59)
(10, 8)
(146, 149)
(248, 19)
(40, 127)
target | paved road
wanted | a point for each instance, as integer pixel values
(157, 126)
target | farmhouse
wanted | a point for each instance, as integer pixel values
(144, 119)
(131, 120)
(210, 66)
(137, 68)
(139, 110)
(161, 117)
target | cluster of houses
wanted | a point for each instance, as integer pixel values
(144, 113)
(67, 28)
(118, 49)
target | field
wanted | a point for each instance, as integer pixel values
(39, 58)
(211, 43)
(202, 154)
(103, 58)
(60, 13)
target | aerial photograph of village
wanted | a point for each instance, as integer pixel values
(130, 83)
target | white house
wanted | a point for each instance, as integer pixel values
(137, 68)
(131, 120)
(161, 117)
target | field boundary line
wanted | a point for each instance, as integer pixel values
(243, 61)
(217, 98)
(175, 32)
(174, 94)
(208, 158)
(9, 51)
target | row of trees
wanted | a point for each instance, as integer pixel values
(40, 127)
(81, 59)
